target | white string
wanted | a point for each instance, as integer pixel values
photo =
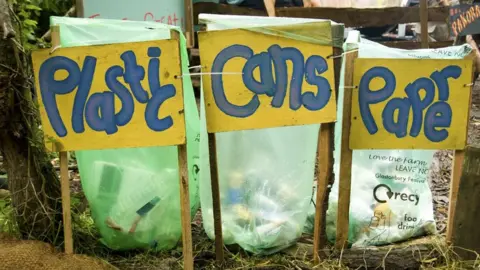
(55, 48)
(341, 55)
(470, 84)
(349, 87)
(192, 67)
(208, 73)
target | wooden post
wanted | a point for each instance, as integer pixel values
(217, 212)
(344, 186)
(325, 168)
(185, 208)
(64, 175)
(184, 192)
(424, 23)
(458, 160)
(189, 27)
(79, 8)
(466, 236)
(65, 189)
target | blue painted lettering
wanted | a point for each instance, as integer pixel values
(274, 79)
(98, 110)
(433, 117)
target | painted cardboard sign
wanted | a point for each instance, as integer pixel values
(264, 81)
(464, 19)
(410, 104)
(162, 11)
(110, 96)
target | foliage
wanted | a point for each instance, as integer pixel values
(29, 13)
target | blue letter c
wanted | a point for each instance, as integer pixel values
(217, 82)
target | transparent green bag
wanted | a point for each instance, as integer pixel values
(134, 193)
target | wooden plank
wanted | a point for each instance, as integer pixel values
(79, 8)
(213, 8)
(185, 208)
(64, 175)
(458, 160)
(189, 28)
(325, 175)
(424, 23)
(344, 186)
(374, 125)
(413, 45)
(217, 213)
(184, 191)
(464, 234)
(351, 17)
(139, 126)
(455, 179)
(65, 189)
(262, 110)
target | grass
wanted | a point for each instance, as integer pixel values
(86, 239)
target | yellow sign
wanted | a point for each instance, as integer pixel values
(111, 96)
(263, 81)
(410, 104)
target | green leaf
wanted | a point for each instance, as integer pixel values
(30, 22)
(33, 7)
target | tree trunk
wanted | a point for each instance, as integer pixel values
(32, 181)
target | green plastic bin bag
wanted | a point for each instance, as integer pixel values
(134, 193)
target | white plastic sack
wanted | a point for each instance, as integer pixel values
(408, 211)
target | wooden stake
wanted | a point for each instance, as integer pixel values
(65, 189)
(465, 230)
(458, 159)
(424, 23)
(185, 208)
(79, 8)
(344, 186)
(184, 192)
(217, 212)
(189, 27)
(325, 170)
(64, 175)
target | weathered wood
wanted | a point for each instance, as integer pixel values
(185, 213)
(351, 17)
(185, 208)
(325, 176)
(457, 166)
(413, 45)
(212, 8)
(424, 23)
(344, 186)
(217, 213)
(66, 206)
(455, 180)
(408, 255)
(79, 8)
(189, 28)
(64, 177)
(466, 236)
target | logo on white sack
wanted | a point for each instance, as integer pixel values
(383, 193)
